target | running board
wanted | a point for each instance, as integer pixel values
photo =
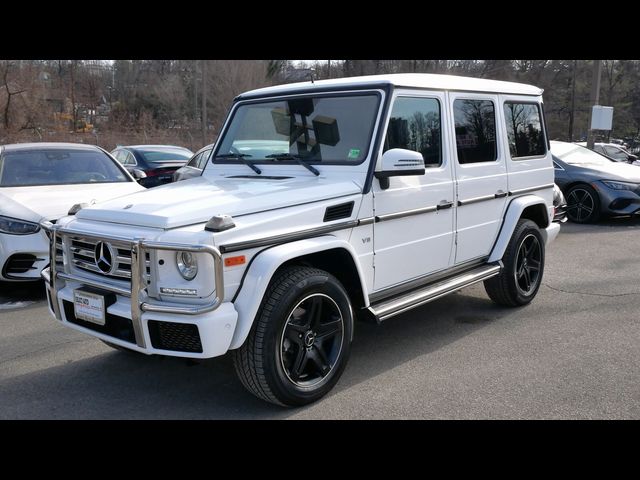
(389, 308)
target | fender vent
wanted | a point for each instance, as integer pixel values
(336, 212)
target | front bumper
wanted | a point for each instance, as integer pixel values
(617, 202)
(136, 321)
(35, 245)
(199, 336)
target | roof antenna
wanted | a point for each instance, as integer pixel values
(311, 72)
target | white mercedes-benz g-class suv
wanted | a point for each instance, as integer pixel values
(321, 203)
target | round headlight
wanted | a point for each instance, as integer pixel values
(187, 265)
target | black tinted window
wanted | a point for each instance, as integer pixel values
(164, 154)
(524, 129)
(415, 125)
(475, 122)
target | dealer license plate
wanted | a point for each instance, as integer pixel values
(89, 306)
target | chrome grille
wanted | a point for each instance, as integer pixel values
(82, 256)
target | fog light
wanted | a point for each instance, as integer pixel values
(187, 265)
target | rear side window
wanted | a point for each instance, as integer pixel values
(475, 122)
(524, 130)
(415, 125)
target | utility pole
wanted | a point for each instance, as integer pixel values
(595, 98)
(573, 100)
(195, 91)
(204, 102)
(328, 68)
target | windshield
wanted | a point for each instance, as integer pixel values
(25, 168)
(324, 129)
(576, 155)
(159, 155)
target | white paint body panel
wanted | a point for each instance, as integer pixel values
(406, 247)
(478, 223)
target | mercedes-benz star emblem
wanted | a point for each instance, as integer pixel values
(103, 255)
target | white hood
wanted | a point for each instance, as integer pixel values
(50, 202)
(196, 200)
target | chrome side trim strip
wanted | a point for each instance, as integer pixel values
(530, 189)
(288, 237)
(366, 221)
(406, 213)
(483, 198)
(399, 305)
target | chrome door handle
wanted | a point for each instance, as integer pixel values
(500, 194)
(444, 204)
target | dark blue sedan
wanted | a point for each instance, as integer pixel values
(152, 165)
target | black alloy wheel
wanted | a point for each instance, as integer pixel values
(300, 340)
(528, 263)
(311, 340)
(583, 205)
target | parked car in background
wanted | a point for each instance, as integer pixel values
(594, 185)
(613, 151)
(194, 167)
(559, 205)
(42, 181)
(152, 165)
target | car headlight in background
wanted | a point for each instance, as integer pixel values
(620, 185)
(14, 226)
(187, 265)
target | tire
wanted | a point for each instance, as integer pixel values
(519, 281)
(300, 341)
(118, 347)
(583, 204)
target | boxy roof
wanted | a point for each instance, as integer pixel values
(409, 80)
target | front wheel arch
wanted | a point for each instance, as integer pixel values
(306, 252)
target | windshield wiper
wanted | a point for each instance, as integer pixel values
(241, 157)
(296, 158)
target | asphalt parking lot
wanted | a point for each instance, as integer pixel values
(574, 353)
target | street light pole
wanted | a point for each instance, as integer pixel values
(573, 101)
(204, 101)
(595, 98)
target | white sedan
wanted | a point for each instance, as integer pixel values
(42, 181)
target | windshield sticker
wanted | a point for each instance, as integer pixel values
(354, 153)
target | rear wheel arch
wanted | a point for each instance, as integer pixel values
(537, 213)
(531, 207)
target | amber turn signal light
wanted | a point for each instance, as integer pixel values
(233, 261)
